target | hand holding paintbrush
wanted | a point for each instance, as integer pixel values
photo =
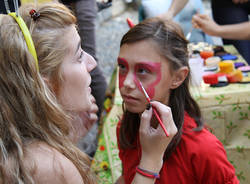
(154, 110)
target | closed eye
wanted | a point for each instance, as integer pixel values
(142, 71)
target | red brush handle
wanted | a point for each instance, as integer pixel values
(159, 119)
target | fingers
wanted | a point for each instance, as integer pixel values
(93, 118)
(204, 22)
(145, 120)
(94, 107)
(165, 114)
(196, 21)
(199, 19)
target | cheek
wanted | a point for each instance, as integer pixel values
(136, 81)
(122, 77)
(149, 86)
(74, 81)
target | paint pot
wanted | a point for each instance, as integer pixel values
(244, 68)
(206, 54)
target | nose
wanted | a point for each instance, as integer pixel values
(129, 81)
(90, 63)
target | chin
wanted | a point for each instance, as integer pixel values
(134, 109)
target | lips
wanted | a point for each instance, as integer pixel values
(90, 79)
(129, 99)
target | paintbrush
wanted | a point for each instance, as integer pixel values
(154, 110)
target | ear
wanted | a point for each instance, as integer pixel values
(179, 76)
(46, 80)
(48, 83)
(51, 85)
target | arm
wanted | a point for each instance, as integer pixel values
(231, 31)
(154, 141)
(175, 7)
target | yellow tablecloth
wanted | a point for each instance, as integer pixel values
(226, 110)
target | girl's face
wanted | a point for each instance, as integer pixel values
(141, 61)
(74, 91)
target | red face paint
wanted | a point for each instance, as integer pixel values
(153, 68)
(123, 71)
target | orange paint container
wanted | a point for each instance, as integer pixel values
(206, 54)
(226, 67)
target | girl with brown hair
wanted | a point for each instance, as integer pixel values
(154, 53)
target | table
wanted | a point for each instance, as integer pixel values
(226, 110)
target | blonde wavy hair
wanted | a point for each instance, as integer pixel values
(29, 111)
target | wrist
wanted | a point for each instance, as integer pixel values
(147, 173)
(153, 165)
(218, 31)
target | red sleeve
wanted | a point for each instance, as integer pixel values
(211, 163)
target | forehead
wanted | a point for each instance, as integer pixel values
(141, 51)
(71, 39)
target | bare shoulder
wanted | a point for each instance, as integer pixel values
(48, 165)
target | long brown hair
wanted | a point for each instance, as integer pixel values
(173, 46)
(29, 111)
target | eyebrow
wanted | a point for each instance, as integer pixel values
(78, 46)
(121, 59)
(150, 65)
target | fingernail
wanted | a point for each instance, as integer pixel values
(148, 106)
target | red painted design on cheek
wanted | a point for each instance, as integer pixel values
(154, 68)
(122, 71)
(136, 81)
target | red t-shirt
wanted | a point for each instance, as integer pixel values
(199, 158)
